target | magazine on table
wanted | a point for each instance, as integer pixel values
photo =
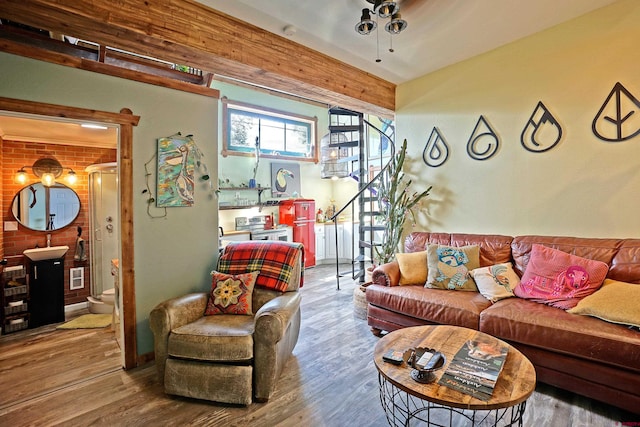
(475, 368)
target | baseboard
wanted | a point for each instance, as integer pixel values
(75, 307)
(143, 359)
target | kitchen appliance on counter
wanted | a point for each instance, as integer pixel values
(261, 228)
(300, 214)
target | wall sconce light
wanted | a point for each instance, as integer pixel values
(384, 9)
(47, 169)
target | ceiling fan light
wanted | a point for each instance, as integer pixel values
(387, 8)
(396, 25)
(366, 24)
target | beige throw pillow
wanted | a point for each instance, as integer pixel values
(413, 267)
(616, 302)
(496, 282)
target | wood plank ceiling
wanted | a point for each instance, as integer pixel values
(189, 33)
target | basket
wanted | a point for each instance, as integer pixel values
(360, 301)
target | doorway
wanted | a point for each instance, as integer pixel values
(125, 121)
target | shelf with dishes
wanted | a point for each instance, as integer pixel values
(243, 202)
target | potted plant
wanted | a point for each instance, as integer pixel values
(395, 202)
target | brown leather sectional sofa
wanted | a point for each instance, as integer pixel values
(582, 354)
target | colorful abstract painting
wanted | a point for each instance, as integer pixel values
(176, 169)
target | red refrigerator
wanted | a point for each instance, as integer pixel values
(301, 215)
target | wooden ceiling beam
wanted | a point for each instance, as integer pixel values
(189, 33)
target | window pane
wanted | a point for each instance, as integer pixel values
(298, 138)
(244, 130)
(271, 135)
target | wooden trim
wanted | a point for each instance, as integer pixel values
(191, 33)
(126, 119)
(271, 92)
(126, 243)
(43, 109)
(33, 52)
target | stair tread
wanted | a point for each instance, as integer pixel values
(345, 144)
(367, 244)
(373, 227)
(344, 128)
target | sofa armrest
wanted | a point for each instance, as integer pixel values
(172, 314)
(387, 274)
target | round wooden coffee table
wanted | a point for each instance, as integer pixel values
(405, 399)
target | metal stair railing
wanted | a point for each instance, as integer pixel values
(364, 186)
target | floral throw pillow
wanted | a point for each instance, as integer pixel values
(448, 267)
(231, 293)
(559, 279)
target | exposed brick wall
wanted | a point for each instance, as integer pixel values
(17, 154)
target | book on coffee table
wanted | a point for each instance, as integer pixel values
(475, 368)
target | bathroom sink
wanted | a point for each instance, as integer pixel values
(40, 254)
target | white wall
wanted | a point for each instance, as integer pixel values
(173, 255)
(582, 187)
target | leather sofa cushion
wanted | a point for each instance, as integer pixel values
(625, 266)
(221, 338)
(539, 325)
(433, 305)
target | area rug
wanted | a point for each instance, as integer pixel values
(88, 321)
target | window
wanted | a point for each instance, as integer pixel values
(280, 134)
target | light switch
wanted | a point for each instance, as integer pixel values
(11, 226)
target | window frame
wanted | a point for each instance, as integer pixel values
(311, 123)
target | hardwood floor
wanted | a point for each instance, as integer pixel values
(52, 377)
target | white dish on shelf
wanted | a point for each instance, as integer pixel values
(16, 303)
(16, 321)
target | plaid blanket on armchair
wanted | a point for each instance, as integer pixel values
(273, 259)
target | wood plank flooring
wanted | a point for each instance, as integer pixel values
(52, 377)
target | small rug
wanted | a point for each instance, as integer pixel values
(88, 321)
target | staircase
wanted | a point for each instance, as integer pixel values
(352, 137)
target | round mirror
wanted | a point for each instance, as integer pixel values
(43, 208)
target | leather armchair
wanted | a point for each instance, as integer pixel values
(227, 358)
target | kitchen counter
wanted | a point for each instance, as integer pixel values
(236, 233)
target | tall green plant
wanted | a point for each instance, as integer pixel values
(395, 202)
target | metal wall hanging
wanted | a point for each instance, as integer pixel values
(484, 133)
(542, 132)
(619, 117)
(436, 152)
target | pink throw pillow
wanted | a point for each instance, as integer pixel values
(559, 279)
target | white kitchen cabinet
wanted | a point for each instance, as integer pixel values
(320, 242)
(347, 241)
(346, 246)
(330, 241)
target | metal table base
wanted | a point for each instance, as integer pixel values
(403, 408)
